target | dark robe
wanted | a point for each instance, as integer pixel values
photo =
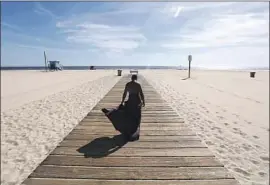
(127, 118)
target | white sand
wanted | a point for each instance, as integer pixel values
(39, 109)
(229, 111)
(21, 87)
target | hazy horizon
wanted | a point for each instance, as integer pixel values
(219, 35)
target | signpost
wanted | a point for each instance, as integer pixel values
(189, 62)
(45, 61)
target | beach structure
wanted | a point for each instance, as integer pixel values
(168, 152)
(55, 65)
(133, 71)
(52, 65)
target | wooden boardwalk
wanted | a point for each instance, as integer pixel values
(168, 152)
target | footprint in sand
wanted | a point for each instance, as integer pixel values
(262, 174)
(220, 151)
(15, 143)
(264, 158)
(248, 122)
(255, 162)
(243, 172)
(226, 124)
(20, 160)
(220, 138)
(246, 147)
(242, 133)
(209, 143)
(236, 129)
(221, 117)
(256, 137)
(235, 122)
(257, 146)
(222, 146)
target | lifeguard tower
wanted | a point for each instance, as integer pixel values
(55, 65)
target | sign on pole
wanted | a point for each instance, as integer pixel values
(45, 61)
(189, 62)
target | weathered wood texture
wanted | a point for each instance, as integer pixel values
(168, 151)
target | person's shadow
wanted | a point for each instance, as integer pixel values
(103, 146)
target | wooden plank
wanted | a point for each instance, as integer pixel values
(117, 93)
(51, 181)
(128, 173)
(146, 93)
(161, 105)
(144, 114)
(118, 100)
(122, 87)
(146, 108)
(149, 102)
(143, 118)
(154, 131)
(142, 138)
(143, 121)
(152, 96)
(143, 124)
(109, 142)
(142, 133)
(120, 91)
(136, 161)
(99, 107)
(146, 128)
(144, 88)
(158, 152)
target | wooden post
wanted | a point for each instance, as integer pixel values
(45, 61)
(189, 62)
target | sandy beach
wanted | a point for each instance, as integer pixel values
(39, 109)
(228, 110)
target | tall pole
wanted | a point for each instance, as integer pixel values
(45, 61)
(189, 69)
(189, 63)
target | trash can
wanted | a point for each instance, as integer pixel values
(119, 72)
(252, 74)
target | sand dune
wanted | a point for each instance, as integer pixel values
(230, 113)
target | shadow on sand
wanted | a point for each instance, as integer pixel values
(185, 78)
(103, 146)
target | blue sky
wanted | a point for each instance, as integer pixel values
(217, 34)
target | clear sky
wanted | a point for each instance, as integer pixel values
(217, 34)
